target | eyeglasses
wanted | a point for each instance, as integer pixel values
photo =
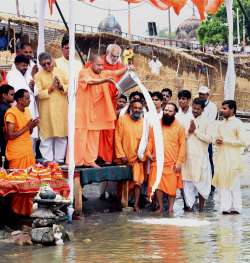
(114, 56)
(48, 63)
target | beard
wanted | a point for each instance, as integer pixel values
(109, 60)
(135, 116)
(167, 120)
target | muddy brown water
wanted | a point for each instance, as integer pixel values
(115, 238)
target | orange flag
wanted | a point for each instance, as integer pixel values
(51, 3)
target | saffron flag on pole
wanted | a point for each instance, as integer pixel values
(51, 3)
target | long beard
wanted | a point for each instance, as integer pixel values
(135, 116)
(167, 120)
(108, 59)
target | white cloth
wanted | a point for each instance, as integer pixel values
(34, 141)
(155, 67)
(19, 81)
(53, 149)
(41, 27)
(230, 200)
(230, 79)
(184, 118)
(203, 187)
(63, 64)
(29, 69)
(196, 171)
(196, 150)
(210, 111)
(147, 123)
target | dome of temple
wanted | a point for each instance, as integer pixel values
(187, 29)
(110, 24)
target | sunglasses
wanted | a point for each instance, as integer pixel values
(48, 63)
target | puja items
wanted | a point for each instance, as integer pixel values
(56, 171)
(46, 192)
(39, 171)
(3, 173)
(17, 175)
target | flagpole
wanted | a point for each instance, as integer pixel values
(129, 18)
(67, 28)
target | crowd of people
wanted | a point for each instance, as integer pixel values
(111, 128)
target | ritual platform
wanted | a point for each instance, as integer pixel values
(84, 176)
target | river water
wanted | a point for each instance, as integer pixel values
(126, 237)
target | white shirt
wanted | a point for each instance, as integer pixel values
(63, 64)
(210, 111)
(184, 118)
(155, 67)
(19, 81)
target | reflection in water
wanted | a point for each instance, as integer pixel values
(112, 238)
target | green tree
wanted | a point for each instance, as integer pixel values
(214, 29)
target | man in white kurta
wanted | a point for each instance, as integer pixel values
(20, 77)
(196, 171)
(184, 114)
(230, 140)
(63, 62)
(210, 112)
(155, 66)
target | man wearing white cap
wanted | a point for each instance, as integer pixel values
(210, 112)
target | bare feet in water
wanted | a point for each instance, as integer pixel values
(170, 211)
(137, 209)
(159, 211)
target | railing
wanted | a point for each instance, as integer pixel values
(92, 29)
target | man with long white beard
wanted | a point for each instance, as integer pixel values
(174, 157)
(128, 134)
(106, 141)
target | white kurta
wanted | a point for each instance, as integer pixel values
(63, 64)
(19, 81)
(196, 171)
(184, 118)
(210, 111)
(229, 164)
(155, 67)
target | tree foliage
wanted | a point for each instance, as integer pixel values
(214, 29)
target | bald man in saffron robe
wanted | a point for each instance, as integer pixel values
(94, 110)
(128, 135)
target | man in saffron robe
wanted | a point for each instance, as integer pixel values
(94, 110)
(174, 157)
(128, 134)
(7, 98)
(106, 142)
(19, 126)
